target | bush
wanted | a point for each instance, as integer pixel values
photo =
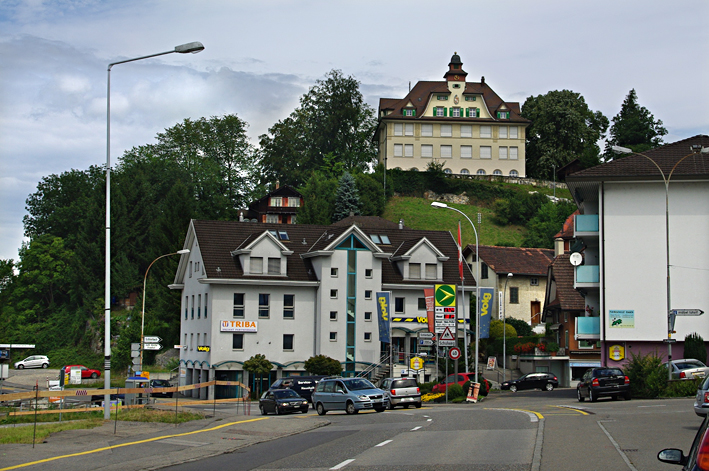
(426, 388)
(456, 390)
(552, 347)
(648, 379)
(522, 328)
(694, 347)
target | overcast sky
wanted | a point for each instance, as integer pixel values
(262, 55)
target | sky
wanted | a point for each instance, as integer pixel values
(261, 56)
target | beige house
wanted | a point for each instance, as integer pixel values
(464, 125)
(524, 296)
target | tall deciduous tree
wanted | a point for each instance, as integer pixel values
(634, 127)
(332, 118)
(322, 365)
(563, 129)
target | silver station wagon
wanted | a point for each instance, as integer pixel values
(348, 394)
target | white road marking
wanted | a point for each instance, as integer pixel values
(615, 444)
(343, 464)
(659, 405)
(415, 428)
(429, 420)
(385, 442)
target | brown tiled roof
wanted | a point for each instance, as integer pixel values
(567, 230)
(515, 260)
(217, 239)
(632, 166)
(567, 298)
(370, 222)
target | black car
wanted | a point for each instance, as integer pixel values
(303, 385)
(282, 401)
(160, 383)
(698, 457)
(603, 381)
(543, 381)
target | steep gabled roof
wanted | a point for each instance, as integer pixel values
(516, 260)
(567, 298)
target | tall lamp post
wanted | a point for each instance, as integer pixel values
(438, 204)
(504, 329)
(193, 47)
(142, 312)
(666, 178)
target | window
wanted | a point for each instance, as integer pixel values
(263, 305)
(283, 235)
(442, 97)
(446, 152)
(483, 271)
(473, 113)
(256, 265)
(427, 130)
(465, 171)
(333, 272)
(368, 316)
(399, 305)
(205, 305)
(409, 150)
(466, 152)
(514, 173)
(426, 150)
(485, 152)
(398, 150)
(466, 130)
(414, 271)
(237, 341)
(422, 304)
(455, 112)
(187, 303)
(333, 294)
(513, 132)
(409, 112)
(276, 201)
(485, 131)
(192, 308)
(288, 342)
(367, 336)
(513, 153)
(191, 270)
(368, 273)
(503, 153)
(333, 315)
(497, 172)
(289, 306)
(431, 271)
(294, 202)
(470, 98)
(368, 294)
(586, 344)
(274, 266)
(446, 130)
(198, 342)
(409, 129)
(514, 295)
(448, 171)
(333, 336)
(272, 219)
(534, 281)
(481, 171)
(199, 307)
(503, 132)
(385, 239)
(398, 129)
(503, 115)
(439, 111)
(191, 341)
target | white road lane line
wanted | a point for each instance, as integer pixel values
(385, 442)
(429, 420)
(615, 444)
(415, 428)
(343, 464)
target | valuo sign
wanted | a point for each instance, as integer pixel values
(239, 326)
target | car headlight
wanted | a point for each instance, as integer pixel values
(363, 397)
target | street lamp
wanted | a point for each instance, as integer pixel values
(438, 204)
(695, 150)
(504, 329)
(194, 48)
(142, 313)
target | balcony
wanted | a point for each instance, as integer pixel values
(587, 276)
(586, 225)
(588, 328)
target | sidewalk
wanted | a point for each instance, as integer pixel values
(145, 446)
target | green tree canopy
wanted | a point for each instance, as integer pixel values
(258, 365)
(547, 223)
(347, 198)
(332, 118)
(522, 328)
(563, 129)
(634, 127)
(496, 329)
(323, 365)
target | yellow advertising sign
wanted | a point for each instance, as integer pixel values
(616, 352)
(444, 295)
(416, 363)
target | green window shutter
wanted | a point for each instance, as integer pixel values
(467, 112)
(445, 111)
(477, 112)
(413, 113)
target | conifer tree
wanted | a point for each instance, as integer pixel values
(347, 199)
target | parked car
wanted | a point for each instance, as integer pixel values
(160, 383)
(349, 394)
(401, 392)
(697, 459)
(303, 385)
(543, 381)
(701, 400)
(85, 372)
(32, 361)
(461, 379)
(282, 401)
(603, 381)
(688, 368)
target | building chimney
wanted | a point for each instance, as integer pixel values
(278, 184)
(241, 216)
(558, 246)
(482, 80)
(401, 223)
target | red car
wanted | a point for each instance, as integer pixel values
(85, 372)
(461, 380)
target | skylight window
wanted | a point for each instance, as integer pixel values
(385, 239)
(283, 235)
(375, 238)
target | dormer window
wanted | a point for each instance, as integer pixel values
(256, 265)
(414, 271)
(294, 202)
(410, 112)
(442, 97)
(431, 271)
(274, 266)
(471, 98)
(503, 115)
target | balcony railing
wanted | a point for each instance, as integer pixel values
(588, 328)
(586, 223)
(587, 274)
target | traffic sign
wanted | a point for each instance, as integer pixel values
(425, 335)
(135, 347)
(152, 346)
(454, 353)
(446, 343)
(154, 339)
(425, 342)
(447, 334)
(687, 312)
(445, 295)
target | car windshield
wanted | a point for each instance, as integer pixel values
(359, 384)
(284, 393)
(161, 383)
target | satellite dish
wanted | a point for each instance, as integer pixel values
(575, 259)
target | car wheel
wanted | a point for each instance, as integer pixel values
(513, 388)
(321, 410)
(20, 367)
(379, 409)
(390, 406)
(263, 411)
(418, 405)
(592, 397)
(579, 396)
(278, 412)
(350, 408)
(549, 387)
(615, 398)
(44, 365)
(94, 376)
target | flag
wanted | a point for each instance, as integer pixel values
(484, 311)
(430, 303)
(383, 307)
(460, 254)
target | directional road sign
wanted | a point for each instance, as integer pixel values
(687, 312)
(425, 335)
(152, 346)
(154, 339)
(425, 342)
